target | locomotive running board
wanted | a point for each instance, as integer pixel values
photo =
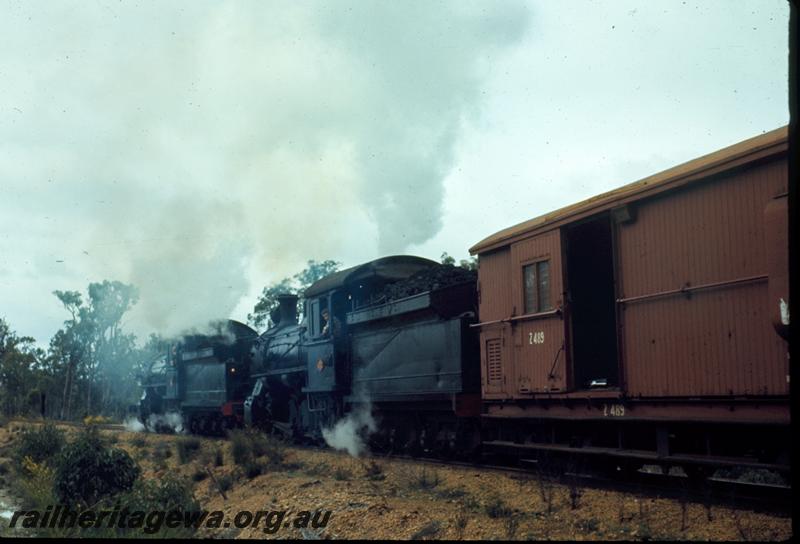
(638, 454)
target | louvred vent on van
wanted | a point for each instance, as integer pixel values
(494, 361)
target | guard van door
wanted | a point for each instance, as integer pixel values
(537, 323)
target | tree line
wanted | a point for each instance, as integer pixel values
(90, 365)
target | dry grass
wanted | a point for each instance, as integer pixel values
(374, 499)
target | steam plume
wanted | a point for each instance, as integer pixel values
(200, 151)
(350, 432)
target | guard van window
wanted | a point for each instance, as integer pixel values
(536, 286)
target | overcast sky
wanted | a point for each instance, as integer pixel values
(201, 150)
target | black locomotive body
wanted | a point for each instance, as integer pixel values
(278, 373)
(416, 361)
(411, 360)
(203, 378)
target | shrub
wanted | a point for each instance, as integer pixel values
(138, 441)
(88, 470)
(342, 474)
(206, 457)
(199, 475)
(512, 523)
(374, 471)
(40, 444)
(253, 469)
(587, 526)
(470, 503)
(248, 445)
(496, 508)
(187, 448)
(241, 447)
(225, 482)
(424, 479)
(267, 446)
(168, 494)
(219, 459)
(36, 487)
(645, 532)
(451, 494)
(461, 523)
(161, 452)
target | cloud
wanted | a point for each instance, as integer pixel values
(195, 149)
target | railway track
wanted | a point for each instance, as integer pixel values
(712, 491)
(735, 494)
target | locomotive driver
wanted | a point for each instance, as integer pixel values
(337, 326)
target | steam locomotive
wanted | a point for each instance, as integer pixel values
(200, 381)
(397, 343)
(645, 325)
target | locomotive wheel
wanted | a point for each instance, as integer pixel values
(697, 474)
(628, 469)
(413, 445)
(399, 438)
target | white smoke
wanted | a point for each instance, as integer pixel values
(133, 425)
(169, 422)
(351, 432)
(202, 150)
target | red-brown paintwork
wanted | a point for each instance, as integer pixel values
(693, 291)
(776, 222)
(719, 411)
(718, 341)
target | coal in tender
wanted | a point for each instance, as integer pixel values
(430, 279)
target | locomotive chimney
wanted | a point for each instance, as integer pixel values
(288, 308)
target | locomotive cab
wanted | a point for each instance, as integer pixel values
(328, 344)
